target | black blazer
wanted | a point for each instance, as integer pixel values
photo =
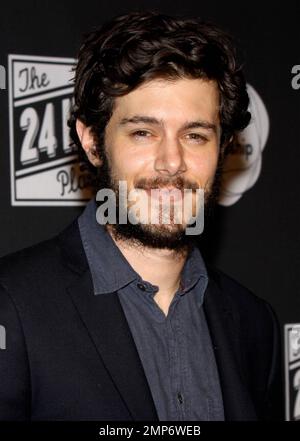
(70, 354)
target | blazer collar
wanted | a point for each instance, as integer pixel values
(106, 324)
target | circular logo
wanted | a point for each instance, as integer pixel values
(242, 167)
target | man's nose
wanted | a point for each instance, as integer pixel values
(170, 158)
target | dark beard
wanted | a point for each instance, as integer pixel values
(143, 235)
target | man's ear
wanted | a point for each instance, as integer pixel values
(87, 141)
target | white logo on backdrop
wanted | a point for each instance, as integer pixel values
(295, 82)
(2, 337)
(2, 77)
(242, 168)
(292, 371)
(44, 168)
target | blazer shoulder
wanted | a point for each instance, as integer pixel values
(26, 256)
(30, 263)
(257, 328)
(46, 260)
(240, 299)
(233, 288)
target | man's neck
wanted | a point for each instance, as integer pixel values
(160, 267)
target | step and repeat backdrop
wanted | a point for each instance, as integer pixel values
(254, 233)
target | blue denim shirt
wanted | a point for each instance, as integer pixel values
(175, 350)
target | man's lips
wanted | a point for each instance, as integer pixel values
(166, 193)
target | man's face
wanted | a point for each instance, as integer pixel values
(164, 134)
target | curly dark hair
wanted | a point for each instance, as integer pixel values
(137, 47)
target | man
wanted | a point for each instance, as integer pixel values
(123, 320)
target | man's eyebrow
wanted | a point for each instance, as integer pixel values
(140, 119)
(199, 124)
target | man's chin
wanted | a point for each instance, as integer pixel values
(162, 236)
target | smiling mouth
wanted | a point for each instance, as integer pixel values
(165, 192)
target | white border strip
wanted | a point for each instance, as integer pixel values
(287, 368)
(17, 57)
(11, 131)
(46, 203)
(45, 166)
(44, 96)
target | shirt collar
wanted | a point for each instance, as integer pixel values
(110, 269)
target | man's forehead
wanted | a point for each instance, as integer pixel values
(181, 85)
(184, 100)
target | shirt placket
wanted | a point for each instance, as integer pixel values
(173, 335)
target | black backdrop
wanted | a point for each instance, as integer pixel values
(255, 240)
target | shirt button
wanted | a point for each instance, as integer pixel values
(141, 286)
(180, 399)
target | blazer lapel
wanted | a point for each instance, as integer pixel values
(224, 331)
(107, 326)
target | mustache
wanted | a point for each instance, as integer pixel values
(161, 182)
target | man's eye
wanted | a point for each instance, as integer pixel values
(197, 137)
(141, 134)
